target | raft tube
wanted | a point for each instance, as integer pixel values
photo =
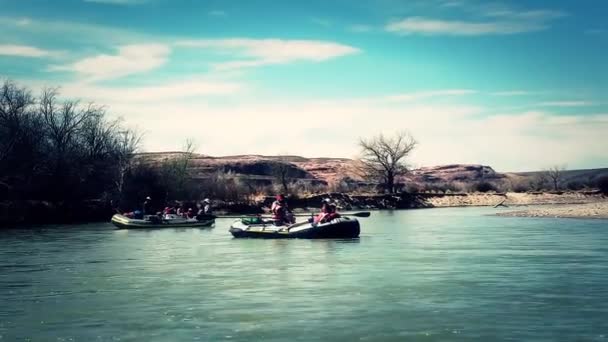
(123, 222)
(338, 228)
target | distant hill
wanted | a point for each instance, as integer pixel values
(260, 169)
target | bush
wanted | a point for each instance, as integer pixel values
(484, 186)
(412, 188)
(60, 150)
(575, 185)
(602, 184)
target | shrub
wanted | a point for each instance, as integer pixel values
(575, 185)
(602, 184)
(520, 187)
(484, 186)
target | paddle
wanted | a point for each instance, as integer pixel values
(359, 214)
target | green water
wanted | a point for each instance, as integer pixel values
(422, 275)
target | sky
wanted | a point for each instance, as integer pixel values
(517, 85)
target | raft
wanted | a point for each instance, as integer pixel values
(338, 228)
(154, 222)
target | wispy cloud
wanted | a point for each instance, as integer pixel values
(321, 21)
(510, 93)
(360, 28)
(26, 51)
(453, 3)
(217, 13)
(131, 59)
(421, 95)
(119, 2)
(87, 34)
(523, 137)
(170, 91)
(486, 20)
(429, 26)
(262, 52)
(567, 104)
(596, 31)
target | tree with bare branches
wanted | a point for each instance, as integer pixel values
(176, 173)
(555, 174)
(126, 143)
(60, 150)
(281, 171)
(383, 158)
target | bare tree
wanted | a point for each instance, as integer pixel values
(126, 144)
(15, 117)
(555, 174)
(281, 171)
(184, 161)
(383, 158)
(175, 172)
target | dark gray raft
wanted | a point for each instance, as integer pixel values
(339, 228)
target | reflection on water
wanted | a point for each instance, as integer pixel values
(439, 274)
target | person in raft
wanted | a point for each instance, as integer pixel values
(204, 209)
(207, 207)
(280, 212)
(328, 212)
(148, 206)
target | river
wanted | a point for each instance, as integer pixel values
(455, 274)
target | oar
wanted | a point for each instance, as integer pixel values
(359, 214)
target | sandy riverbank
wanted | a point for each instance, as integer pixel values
(597, 210)
(512, 199)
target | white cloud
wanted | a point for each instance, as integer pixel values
(447, 133)
(131, 59)
(23, 22)
(360, 28)
(26, 51)
(567, 104)
(321, 21)
(510, 93)
(271, 51)
(178, 90)
(495, 20)
(217, 13)
(81, 33)
(428, 26)
(420, 95)
(119, 2)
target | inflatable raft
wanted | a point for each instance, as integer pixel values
(338, 228)
(153, 222)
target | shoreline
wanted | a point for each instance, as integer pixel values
(28, 213)
(595, 211)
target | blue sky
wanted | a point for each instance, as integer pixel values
(518, 85)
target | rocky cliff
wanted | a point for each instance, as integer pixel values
(326, 171)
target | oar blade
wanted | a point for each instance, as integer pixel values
(360, 214)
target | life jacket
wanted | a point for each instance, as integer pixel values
(279, 210)
(327, 214)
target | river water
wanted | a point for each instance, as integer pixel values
(453, 274)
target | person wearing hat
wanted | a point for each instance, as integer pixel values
(280, 211)
(328, 212)
(190, 213)
(148, 206)
(207, 207)
(204, 209)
